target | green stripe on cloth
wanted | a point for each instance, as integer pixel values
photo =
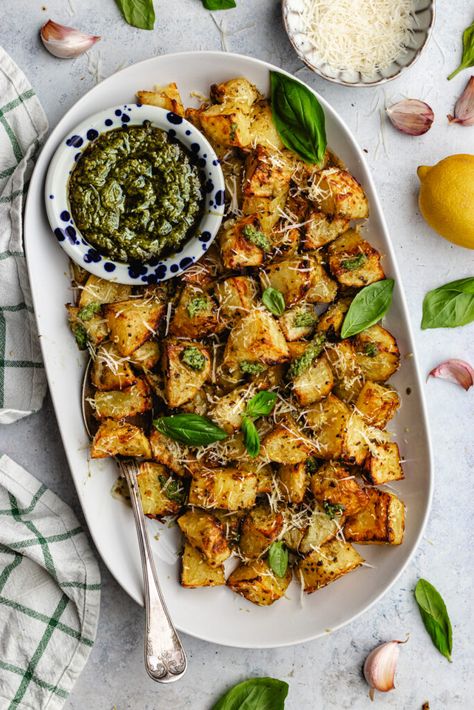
(29, 508)
(80, 585)
(17, 151)
(4, 199)
(8, 254)
(20, 363)
(9, 569)
(16, 102)
(48, 560)
(7, 172)
(50, 538)
(17, 307)
(3, 337)
(42, 684)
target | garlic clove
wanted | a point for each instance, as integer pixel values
(380, 666)
(464, 109)
(65, 42)
(457, 371)
(411, 116)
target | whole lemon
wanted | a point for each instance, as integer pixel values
(446, 198)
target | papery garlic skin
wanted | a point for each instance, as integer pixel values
(411, 116)
(464, 109)
(457, 371)
(380, 666)
(65, 42)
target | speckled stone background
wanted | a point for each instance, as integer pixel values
(325, 674)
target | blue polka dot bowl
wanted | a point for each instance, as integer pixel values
(59, 211)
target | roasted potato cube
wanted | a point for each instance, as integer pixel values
(167, 452)
(290, 276)
(239, 91)
(347, 373)
(262, 127)
(243, 243)
(320, 229)
(377, 404)
(231, 524)
(167, 97)
(353, 261)
(328, 419)
(265, 476)
(228, 488)
(267, 209)
(110, 371)
(258, 583)
(87, 330)
(195, 315)
(255, 338)
(297, 348)
(382, 465)
(196, 572)
(298, 322)
(381, 521)
(79, 275)
(260, 527)
(356, 446)
(336, 488)
(330, 322)
(292, 538)
(161, 494)
(204, 532)
(114, 438)
(147, 356)
(267, 173)
(119, 404)
(333, 560)
(342, 195)
(322, 289)
(293, 481)
(100, 291)
(322, 528)
(287, 444)
(133, 322)
(198, 404)
(236, 296)
(377, 353)
(228, 410)
(314, 383)
(187, 366)
(227, 124)
(204, 271)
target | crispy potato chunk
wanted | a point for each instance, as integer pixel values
(330, 322)
(335, 485)
(333, 560)
(320, 229)
(320, 530)
(204, 532)
(261, 526)
(231, 524)
(228, 488)
(356, 445)
(110, 371)
(267, 210)
(262, 127)
(257, 582)
(97, 290)
(255, 338)
(377, 353)
(267, 173)
(195, 315)
(342, 195)
(236, 296)
(196, 572)
(290, 276)
(265, 476)
(227, 124)
(239, 91)
(298, 322)
(382, 465)
(322, 288)
(92, 330)
(228, 410)
(114, 438)
(133, 322)
(119, 404)
(182, 380)
(147, 356)
(160, 493)
(347, 373)
(293, 481)
(287, 444)
(314, 383)
(328, 419)
(167, 97)
(353, 261)
(166, 451)
(377, 404)
(381, 521)
(238, 249)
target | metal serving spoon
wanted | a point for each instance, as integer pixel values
(165, 658)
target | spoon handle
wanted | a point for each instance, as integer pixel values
(165, 659)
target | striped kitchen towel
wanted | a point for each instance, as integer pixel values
(49, 594)
(23, 125)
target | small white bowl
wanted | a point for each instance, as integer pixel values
(59, 211)
(423, 20)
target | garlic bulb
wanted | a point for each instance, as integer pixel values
(411, 116)
(380, 666)
(65, 42)
(464, 109)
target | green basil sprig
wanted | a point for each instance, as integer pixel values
(298, 117)
(218, 4)
(368, 307)
(467, 59)
(273, 301)
(278, 558)
(251, 437)
(259, 406)
(138, 13)
(450, 305)
(190, 429)
(435, 617)
(255, 694)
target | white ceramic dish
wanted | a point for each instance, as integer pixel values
(216, 614)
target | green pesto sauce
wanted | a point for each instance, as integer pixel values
(313, 350)
(134, 195)
(193, 358)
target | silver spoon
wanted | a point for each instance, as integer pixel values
(165, 658)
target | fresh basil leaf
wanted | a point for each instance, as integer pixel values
(218, 4)
(261, 404)
(138, 13)
(190, 429)
(368, 307)
(251, 437)
(298, 117)
(273, 300)
(255, 694)
(450, 305)
(467, 51)
(435, 617)
(278, 558)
